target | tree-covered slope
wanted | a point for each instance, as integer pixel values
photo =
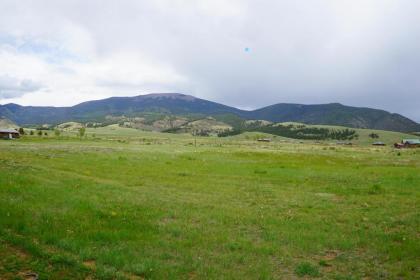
(335, 114)
(180, 104)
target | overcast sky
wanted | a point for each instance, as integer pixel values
(242, 53)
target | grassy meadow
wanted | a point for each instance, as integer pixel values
(125, 204)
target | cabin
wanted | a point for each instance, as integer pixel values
(398, 145)
(6, 133)
(344, 143)
(264, 140)
(411, 143)
(378, 143)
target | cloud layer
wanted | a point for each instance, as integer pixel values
(11, 87)
(242, 53)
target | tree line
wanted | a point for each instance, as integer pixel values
(297, 132)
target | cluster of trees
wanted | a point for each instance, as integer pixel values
(31, 132)
(201, 132)
(373, 135)
(226, 133)
(57, 132)
(298, 132)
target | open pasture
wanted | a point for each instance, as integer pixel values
(137, 205)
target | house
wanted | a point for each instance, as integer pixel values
(264, 140)
(6, 133)
(411, 143)
(398, 145)
(344, 143)
(378, 143)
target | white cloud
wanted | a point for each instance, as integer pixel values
(70, 79)
(11, 87)
(358, 52)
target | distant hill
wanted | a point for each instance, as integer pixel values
(186, 105)
(6, 123)
(336, 114)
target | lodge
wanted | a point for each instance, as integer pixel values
(6, 133)
(408, 143)
(378, 143)
(411, 143)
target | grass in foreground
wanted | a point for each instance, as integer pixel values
(160, 208)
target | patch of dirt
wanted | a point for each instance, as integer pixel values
(29, 275)
(20, 253)
(166, 220)
(91, 264)
(331, 255)
(331, 196)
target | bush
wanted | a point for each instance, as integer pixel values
(82, 131)
(375, 189)
(229, 132)
(306, 268)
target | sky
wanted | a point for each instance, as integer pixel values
(242, 53)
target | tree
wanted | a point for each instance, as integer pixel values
(57, 132)
(39, 133)
(21, 131)
(31, 132)
(373, 135)
(46, 133)
(82, 131)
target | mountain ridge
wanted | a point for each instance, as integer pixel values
(182, 104)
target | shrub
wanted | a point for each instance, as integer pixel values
(306, 268)
(375, 189)
(82, 131)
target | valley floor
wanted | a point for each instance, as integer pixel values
(155, 206)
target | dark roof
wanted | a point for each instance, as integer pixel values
(411, 141)
(8, 130)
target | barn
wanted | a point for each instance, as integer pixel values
(6, 133)
(378, 143)
(411, 143)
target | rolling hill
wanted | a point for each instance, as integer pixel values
(6, 123)
(180, 104)
(335, 114)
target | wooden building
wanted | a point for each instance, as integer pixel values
(8, 133)
(411, 143)
(264, 140)
(378, 143)
(408, 143)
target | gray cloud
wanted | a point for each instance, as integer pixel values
(12, 87)
(358, 52)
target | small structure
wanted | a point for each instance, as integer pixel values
(378, 143)
(411, 143)
(398, 145)
(264, 140)
(6, 133)
(344, 143)
(408, 143)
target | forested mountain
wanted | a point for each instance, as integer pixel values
(180, 104)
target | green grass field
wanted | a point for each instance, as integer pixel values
(140, 205)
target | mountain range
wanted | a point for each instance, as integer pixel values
(181, 104)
